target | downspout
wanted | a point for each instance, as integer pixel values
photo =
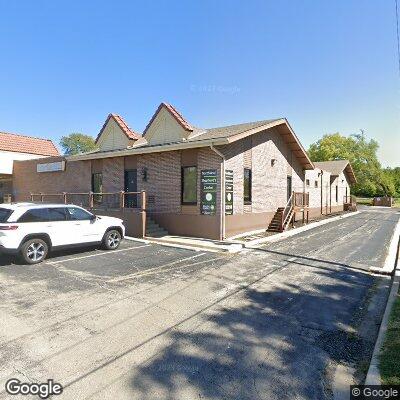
(222, 216)
(322, 193)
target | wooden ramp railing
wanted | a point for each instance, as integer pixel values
(297, 202)
(91, 200)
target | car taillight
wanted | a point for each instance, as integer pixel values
(8, 227)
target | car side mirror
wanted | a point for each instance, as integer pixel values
(93, 218)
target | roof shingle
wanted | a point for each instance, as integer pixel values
(27, 144)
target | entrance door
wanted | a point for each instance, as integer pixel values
(131, 186)
(289, 187)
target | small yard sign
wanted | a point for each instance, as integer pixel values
(228, 192)
(208, 190)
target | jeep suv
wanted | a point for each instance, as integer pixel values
(32, 230)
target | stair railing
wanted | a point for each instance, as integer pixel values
(287, 212)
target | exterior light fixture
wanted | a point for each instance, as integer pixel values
(144, 174)
(273, 162)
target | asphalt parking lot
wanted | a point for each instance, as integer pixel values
(155, 322)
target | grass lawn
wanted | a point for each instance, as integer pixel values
(364, 201)
(368, 201)
(389, 360)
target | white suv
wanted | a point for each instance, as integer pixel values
(32, 230)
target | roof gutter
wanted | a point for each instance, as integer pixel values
(222, 212)
(147, 150)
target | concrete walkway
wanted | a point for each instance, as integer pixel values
(152, 322)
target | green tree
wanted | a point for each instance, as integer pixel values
(393, 174)
(362, 154)
(76, 143)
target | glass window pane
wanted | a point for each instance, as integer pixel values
(35, 215)
(189, 185)
(77, 214)
(5, 214)
(58, 214)
(97, 187)
(247, 185)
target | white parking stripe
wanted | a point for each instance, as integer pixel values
(95, 255)
(155, 269)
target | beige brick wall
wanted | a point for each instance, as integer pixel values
(164, 180)
(269, 183)
(113, 174)
(342, 183)
(315, 192)
(75, 178)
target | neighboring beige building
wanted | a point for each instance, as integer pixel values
(15, 147)
(341, 177)
(213, 183)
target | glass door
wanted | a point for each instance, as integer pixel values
(131, 186)
(289, 187)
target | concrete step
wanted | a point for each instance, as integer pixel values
(154, 229)
(157, 234)
(274, 229)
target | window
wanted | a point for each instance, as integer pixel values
(336, 194)
(316, 184)
(5, 214)
(307, 182)
(57, 214)
(189, 185)
(97, 187)
(35, 215)
(247, 186)
(77, 214)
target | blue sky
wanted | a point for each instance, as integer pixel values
(327, 66)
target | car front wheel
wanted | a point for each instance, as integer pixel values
(112, 239)
(34, 251)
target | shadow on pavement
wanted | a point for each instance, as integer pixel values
(275, 345)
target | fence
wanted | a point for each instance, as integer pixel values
(91, 200)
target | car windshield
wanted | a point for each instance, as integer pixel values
(4, 214)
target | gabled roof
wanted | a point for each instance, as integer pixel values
(199, 137)
(175, 113)
(336, 167)
(27, 144)
(130, 134)
(232, 130)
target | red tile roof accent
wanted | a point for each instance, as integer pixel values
(27, 144)
(131, 134)
(175, 113)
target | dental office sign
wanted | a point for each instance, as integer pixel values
(228, 192)
(208, 191)
(51, 167)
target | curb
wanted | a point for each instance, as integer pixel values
(225, 248)
(295, 231)
(390, 261)
(373, 375)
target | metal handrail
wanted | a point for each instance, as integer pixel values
(91, 196)
(287, 211)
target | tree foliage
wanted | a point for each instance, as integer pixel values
(372, 180)
(76, 143)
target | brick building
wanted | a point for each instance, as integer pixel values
(19, 147)
(213, 183)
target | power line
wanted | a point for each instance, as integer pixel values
(398, 36)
